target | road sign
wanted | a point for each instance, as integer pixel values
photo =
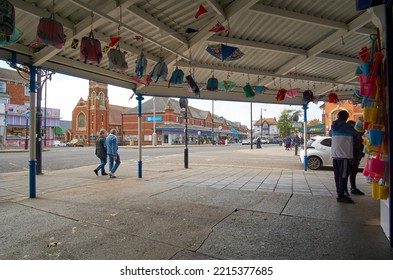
(27, 114)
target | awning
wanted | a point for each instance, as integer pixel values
(315, 129)
(58, 130)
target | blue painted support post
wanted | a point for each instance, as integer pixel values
(139, 97)
(32, 132)
(305, 107)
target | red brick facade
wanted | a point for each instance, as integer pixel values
(331, 110)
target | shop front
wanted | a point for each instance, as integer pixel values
(18, 121)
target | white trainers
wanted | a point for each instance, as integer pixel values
(112, 175)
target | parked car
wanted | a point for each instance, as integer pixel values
(318, 152)
(76, 143)
(245, 142)
(264, 140)
(58, 143)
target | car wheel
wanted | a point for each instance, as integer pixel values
(314, 163)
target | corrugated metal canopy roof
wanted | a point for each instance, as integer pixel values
(306, 44)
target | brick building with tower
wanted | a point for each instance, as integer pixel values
(95, 113)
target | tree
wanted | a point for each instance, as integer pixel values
(285, 122)
(313, 122)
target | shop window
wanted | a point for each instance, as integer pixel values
(148, 137)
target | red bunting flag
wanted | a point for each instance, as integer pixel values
(202, 10)
(137, 38)
(114, 41)
(217, 28)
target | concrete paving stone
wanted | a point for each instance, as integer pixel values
(83, 241)
(264, 236)
(190, 255)
(364, 210)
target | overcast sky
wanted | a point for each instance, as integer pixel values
(63, 93)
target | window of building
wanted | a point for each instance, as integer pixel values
(81, 121)
(148, 137)
(3, 87)
(27, 91)
(3, 100)
(101, 99)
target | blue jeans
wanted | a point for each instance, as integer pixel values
(102, 166)
(113, 168)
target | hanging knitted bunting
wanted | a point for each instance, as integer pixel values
(74, 43)
(280, 96)
(217, 28)
(308, 96)
(293, 92)
(248, 90)
(333, 98)
(114, 41)
(260, 89)
(190, 30)
(202, 10)
(226, 85)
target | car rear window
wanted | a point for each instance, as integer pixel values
(327, 142)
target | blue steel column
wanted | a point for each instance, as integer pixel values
(32, 162)
(305, 135)
(389, 73)
(139, 97)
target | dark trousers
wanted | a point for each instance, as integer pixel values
(341, 173)
(353, 171)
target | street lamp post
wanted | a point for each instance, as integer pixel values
(262, 120)
(183, 103)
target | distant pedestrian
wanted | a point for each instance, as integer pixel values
(259, 143)
(101, 153)
(287, 142)
(112, 146)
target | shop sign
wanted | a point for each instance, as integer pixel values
(151, 119)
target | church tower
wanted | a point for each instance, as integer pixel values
(98, 109)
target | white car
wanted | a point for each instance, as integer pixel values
(245, 142)
(59, 143)
(318, 152)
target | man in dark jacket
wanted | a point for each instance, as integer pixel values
(342, 152)
(355, 162)
(101, 153)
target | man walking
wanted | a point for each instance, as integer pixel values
(112, 151)
(101, 153)
(342, 152)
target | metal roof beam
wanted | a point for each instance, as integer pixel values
(355, 24)
(78, 30)
(156, 23)
(216, 7)
(129, 28)
(267, 10)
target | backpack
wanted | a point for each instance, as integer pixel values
(90, 49)
(117, 59)
(141, 64)
(160, 71)
(7, 19)
(50, 32)
(176, 78)
(212, 84)
(192, 84)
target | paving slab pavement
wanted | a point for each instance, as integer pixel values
(225, 212)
